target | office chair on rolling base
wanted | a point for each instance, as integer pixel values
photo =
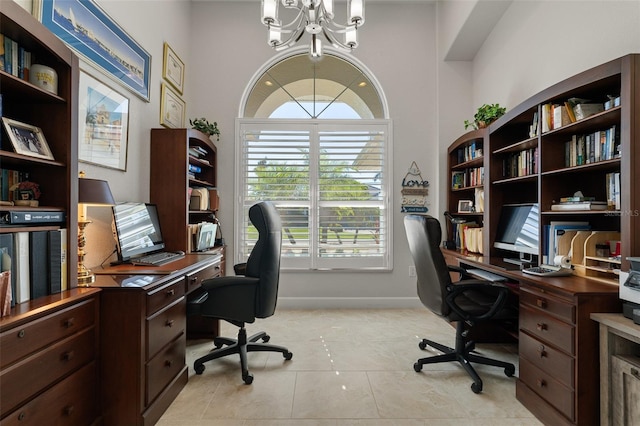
(466, 302)
(242, 298)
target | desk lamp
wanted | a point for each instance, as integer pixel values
(91, 192)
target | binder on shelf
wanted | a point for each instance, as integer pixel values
(55, 261)
(64, 262)
(27, 217)
(38, 264)
(8, 262)
(21, 245)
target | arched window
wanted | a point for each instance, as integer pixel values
(314, 139)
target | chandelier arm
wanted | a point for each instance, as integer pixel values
(335, 42)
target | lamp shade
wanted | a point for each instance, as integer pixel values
(94, 192)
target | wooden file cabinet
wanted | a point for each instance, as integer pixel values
(48, 358)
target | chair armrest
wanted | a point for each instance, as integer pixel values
(501, 292)
(240, 268)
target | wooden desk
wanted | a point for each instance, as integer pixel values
(558, 341)
(619, 367)
(143, 328)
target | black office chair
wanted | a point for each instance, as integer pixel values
(466, 302)
(242, 298)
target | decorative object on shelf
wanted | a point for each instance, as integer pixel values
(27, 139)
(91, 192)
(465, 206)
(172, 108)
(173, 68)
(414, 191)
(103, 124)
(204, 126)
(44, 77)
(316, 17)
(26, 193)
(87, 29)
(484, 116)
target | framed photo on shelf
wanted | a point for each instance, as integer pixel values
(93, 34)
(465, 206)
(103, 124)
(27, 139)
(173, 69)
(172, 108)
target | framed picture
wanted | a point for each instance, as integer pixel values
(465, 206)
(173, 69)
(88, 30)
(172, 108)
(103, 124)
(27, 139)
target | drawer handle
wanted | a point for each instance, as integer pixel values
(168, 363)
(21, 334)
(68, 323)
(541, 383)
(635, 373)
(193, 280)
(541, 303)
(21, 416)
(68, 356)
(169, 323)
(542, 352)
(541, 326)
(68, 410)
(171, 292)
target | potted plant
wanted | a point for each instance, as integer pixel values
(204, 126)
(485, 115)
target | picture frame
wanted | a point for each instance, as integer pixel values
(27, 139)
(173, 68)
(95, 36)
(465, 206)
(172, 108)
(103, 124)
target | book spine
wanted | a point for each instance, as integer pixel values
(64, 260)
(8, 262)
(21, 244)
(55, 262)
(38, 264)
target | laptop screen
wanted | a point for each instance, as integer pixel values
(136, 230)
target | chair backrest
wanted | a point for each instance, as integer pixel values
(424, 234)
(264, 260)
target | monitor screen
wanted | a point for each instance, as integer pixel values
(518, 228)
(136, 230)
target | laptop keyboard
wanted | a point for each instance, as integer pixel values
(157, 259)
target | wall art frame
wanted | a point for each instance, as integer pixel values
(108, 46)
(172, 108)
(27, 139)
(103, 124)
(173, 68)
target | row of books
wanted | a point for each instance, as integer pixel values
(557, 115)
(522, 163)
(468, 236)
(593, 147)
(14, 59)
(38, 263)
(469, 152)
(9, 178)
(198, 152)
(613, 190)
(469, 177)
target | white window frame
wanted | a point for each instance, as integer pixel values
(314, 261)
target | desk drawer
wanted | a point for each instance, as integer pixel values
(547, 387)
(547, 328)
(162, 368)
(164, 296)
(165, 326)
(71, 402)
(547, 303)
(555, 363)
(194, 279)
(21, 380)
(21, 341)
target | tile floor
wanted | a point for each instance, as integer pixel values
(349, 367)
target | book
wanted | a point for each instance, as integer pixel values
(64, 260)
(38, 264)
(576, 198)
(580, 205)
(570, 114)
(7, 262)
(54, 258)
(16, 217)
(21, 245)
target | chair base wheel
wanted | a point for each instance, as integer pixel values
(422, 345)
(476, 387)
(417, 367)
(199, 368)
(509, 371)
(266, 338)
(247, 378)
(287, 355)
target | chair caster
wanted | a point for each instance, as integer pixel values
(509, 371)
(422, 345)
(266, 338)
(247, 378)
(417, 367)
(476, 387)
(198, 368)
(287, 355)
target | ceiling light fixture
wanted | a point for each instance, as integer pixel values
(316, 18)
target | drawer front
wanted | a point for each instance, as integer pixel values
(547, 328)
(71, 402)
(165, 326)
(22, 380)
(164, 296)
(21, 341)
(194, 279)
(543, 384)
(555, 363)
(164, 367)
(550, 304)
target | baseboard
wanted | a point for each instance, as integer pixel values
(348, 302)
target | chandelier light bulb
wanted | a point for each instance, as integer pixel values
(356, 12)
(269, 11)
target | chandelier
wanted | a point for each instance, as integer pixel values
(316, 18)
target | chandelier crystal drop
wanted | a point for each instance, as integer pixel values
(315, 17)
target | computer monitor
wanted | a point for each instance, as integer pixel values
(136, 230)
(518, 231)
